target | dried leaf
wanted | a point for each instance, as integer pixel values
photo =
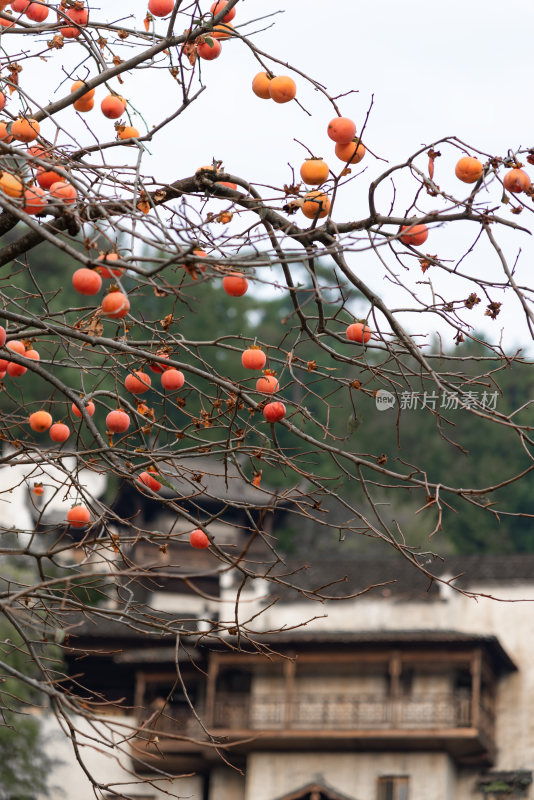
(257, 478)
(95, 328)
(472, 300)
(147, 20)
(166, 322)
(143, 204)
(159, 196)
(159, 292)
(190, 51)
(312, 366)
(225, 217)
(493, 310)
(292, 189)
(123, 35)
(56, 43)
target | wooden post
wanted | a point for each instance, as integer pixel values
(139, 692)
(290, 666)
(476, 674)
(213, 671)
(395, 669)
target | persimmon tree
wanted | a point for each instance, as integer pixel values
(125, 392)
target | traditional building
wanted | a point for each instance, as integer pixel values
(353, 679)
(405, 692)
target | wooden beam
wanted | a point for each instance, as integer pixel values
(140, 688)
(476, 674)
(211, 681)
(395, 669)
(290, 666)
(382, 656)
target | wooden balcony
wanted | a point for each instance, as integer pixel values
(448, 722)
(244, 723)
(315, 712)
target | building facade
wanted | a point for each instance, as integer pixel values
(405, 692)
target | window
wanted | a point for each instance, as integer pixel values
(393, 788)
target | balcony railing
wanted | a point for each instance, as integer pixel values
(249, 721)
(270, 712)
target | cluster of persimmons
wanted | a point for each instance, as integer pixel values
(45, 186)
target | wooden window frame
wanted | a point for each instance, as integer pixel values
(399, 785)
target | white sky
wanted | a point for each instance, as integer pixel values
(435, 69)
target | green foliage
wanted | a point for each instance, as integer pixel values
(24, 766)
(470, 450)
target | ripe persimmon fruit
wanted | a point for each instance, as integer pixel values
(5, 136)
(260, 85)
(137, 382)
(127, 132)
(172, 379)
(148, 479)
(115, 305)
(86, 281)
(117, 421)
(20, 6)
(350, 153)
(209, 49)
(282, 89)
(415, 234)
(235, 284)
(468, 169)
(40, 421)
(314, 171)
(25, 130)
(59, 432)
(89, 94)
(267, 384)
(3, 336)
(222, 31)
(516, 181)
(358, 332)
(316, 204)
(89, 407)
(198, 539)
(341, 130)
(274, 412)
(113, 106)
(63, 191)
(37, 12)
(34, 200)
(83, 106)
(160, 8)
(11, 185)
(219, 6)
(106, 272)
(80, 18)
(16, 346)
(155, 366)
(253, 358)
(47, 177)
(15, 370)
(78, 516)
(2, 101)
